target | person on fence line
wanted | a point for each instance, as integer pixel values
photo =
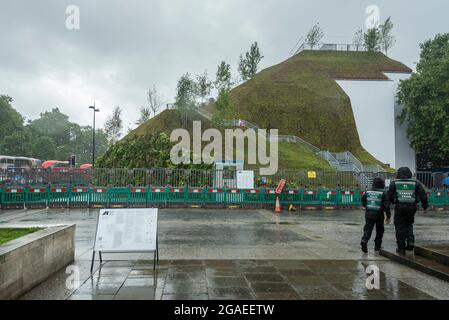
(405, 193)
(375, 202)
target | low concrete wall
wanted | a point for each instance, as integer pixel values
(29, 260)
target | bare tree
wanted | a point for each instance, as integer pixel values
(314, 36)
(154, 99)
(114, 126)
(359, 39)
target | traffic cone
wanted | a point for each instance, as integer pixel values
(278, 206)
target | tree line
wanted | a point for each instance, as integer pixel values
(50, 137)
(374, 39)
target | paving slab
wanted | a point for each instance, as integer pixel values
(241, 254)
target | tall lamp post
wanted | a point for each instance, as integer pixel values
(95, 110)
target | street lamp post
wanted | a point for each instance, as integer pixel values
(95, 110)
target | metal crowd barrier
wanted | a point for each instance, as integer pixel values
(131, 197)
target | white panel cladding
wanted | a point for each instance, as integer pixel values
(375, 112)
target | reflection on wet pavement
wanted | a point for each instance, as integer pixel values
(242, 254)
(241, 280)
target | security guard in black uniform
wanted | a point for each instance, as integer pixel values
(405, 193)
(376, 204)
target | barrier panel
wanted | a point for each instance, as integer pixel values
(438, 199)
(195, 195)
(79, 198)
(269, 196)
(138, 198)
(62, 197)
(347, 198)
(291, 197)
(252, 197)
(36, 198)
(214, 197)
(329, 197)
(13, 198)
(118, 197)
(58, 198)
(310, 197)
(234, 196)
(99, 198)
(176, 195)
(157, 196)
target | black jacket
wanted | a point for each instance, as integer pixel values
(420, 192)
(385, 205)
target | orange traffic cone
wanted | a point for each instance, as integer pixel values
(278, 206)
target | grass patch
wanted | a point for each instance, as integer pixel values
(9, 234)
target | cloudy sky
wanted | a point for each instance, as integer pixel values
(123, 47)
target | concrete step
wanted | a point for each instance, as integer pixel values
(437, 253)
(420, 263)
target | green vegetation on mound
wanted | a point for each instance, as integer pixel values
(9, 234)
(139, 148)
(301, 97)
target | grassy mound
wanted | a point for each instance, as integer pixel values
(291, 156)
(301, 97)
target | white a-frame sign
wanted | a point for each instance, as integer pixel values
(126, 231)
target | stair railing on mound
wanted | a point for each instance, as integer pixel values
(343, 161)
(373, 168)
(326, 155)
(348, 162)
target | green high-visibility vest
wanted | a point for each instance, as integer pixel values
(405, 191)
(374, 200)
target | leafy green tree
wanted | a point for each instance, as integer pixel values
(372, 40)
(145, 115)
(314, 36)
(387, 40)
(50, 137)
(55, 125)
(249, 64)
(203, 86)
(147, 151)
(425, 97)
(114, 126)
(225, 109)
(185, 98)
(223, 77)
(10, 119)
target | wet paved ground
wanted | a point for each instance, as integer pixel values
(242, 254)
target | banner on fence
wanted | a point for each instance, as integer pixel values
(245, 179)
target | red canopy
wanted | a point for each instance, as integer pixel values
(51, 163)
(86, 166)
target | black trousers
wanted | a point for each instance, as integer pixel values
(371, 222)
(404, 218)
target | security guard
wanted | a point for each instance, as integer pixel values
(406, 193)
(376, 204)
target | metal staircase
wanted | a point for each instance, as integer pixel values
(343, 161)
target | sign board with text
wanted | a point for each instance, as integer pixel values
(126, 230)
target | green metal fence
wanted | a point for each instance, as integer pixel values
(102, 197)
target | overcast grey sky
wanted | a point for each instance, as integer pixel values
(123, 47)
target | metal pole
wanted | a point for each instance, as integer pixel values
(94, 109)
(93, 141)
